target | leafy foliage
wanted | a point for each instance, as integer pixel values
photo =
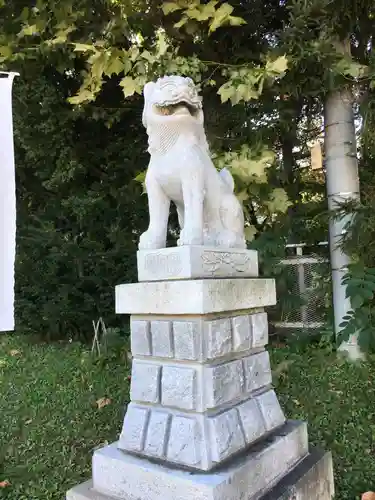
(360, 288)
(264, 69)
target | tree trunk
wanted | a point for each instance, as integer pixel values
(342, 184)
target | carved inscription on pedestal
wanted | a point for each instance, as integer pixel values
(168, 265)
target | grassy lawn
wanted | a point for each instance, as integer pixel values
(51, 421)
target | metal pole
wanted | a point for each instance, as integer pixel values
(301, 284)
(342, 185)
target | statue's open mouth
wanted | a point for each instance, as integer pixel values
(177, 108)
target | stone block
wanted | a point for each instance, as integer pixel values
(241, 333)
(272, 413)
(227, 437)
(259, 328)
(127, 477)
(195, 296)
(157, 434)
(213, 437)
(145, 386)
(140, 337)
(185, 445)
(178, 387)
(218, 337)
(223, 383)
(162, 339)
(134, 429)
(257, 371)
(252, 421)
(190, 262)
(187, 340)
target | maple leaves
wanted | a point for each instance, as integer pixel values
(246, 83)
(195, 11)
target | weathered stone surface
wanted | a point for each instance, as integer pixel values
(162, 339)
(259, 328)
(145, 384)
(218, 336)
(252, 420)
(226, 435)
(200, 440)
(140, 337)
(195, 296)
(257, 371)
(241, 333)
(196, 262)
(178, 387)
(198, 338)
(187, 339)
(135, 426)
(185, 444)
(271, 411)
(157, 434)
(223, 383)
(311, 479)
(126, 477)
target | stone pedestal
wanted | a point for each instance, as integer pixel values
(204, 422)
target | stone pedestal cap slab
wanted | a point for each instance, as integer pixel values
(122, 476)
(188, 262)
(311, 479)
(195, 296)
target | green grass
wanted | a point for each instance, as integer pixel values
(50, 422)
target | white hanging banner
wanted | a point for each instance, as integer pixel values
(7, 204)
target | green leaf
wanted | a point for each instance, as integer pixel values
(161, 43)
(82, 47)
(356, 301)
(148, 56)
(129, 86)
(277, 66)
(236, 21)
(221, 16)
(115, 66)
(279, 201)
(181, 22)
(250, 232)
(346, 66)
(246, 92)
(5, 52)
(83, 96)
(169, 7)
(29, 30)
(226, 91)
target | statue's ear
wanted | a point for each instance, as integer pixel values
(147, 89)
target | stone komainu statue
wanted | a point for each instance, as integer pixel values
(181, 170)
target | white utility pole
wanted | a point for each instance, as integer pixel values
(7, 204)
(342, 185)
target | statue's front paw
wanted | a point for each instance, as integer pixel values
(190, 237)
(150, 241)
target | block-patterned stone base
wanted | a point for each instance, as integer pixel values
(311, 479)
(198, 338)
(189, 262)
(199, 440)
(122, 476)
